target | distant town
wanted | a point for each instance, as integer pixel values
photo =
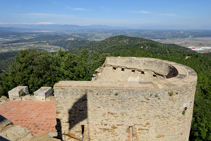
(200, 49)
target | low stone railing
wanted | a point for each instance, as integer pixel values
(41, 94)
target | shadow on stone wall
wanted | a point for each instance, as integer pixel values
(59, 129)
(78, 112)
(3, 139)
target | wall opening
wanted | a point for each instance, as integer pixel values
(114, 68)
(123, 69)
(154, 75)
(82, 131)
(142, 72)
(133, 70)
(59, 129)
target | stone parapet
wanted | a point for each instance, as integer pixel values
(17, 91)
(42, 93)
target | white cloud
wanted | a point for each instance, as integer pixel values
(77, 9)
(55, 2)
(80, 9)
(105, 9)
(44, 23)
(167, 14)
(45, 15)
(142, 12)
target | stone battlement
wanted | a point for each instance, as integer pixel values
(17, 91)
(22, 93)
(134, 69)
(42, 93)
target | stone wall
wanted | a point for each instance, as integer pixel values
(71, 111)
(110, 111)
(152, 114)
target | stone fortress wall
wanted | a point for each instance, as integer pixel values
(128, 99)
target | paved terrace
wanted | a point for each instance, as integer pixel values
(36, 116)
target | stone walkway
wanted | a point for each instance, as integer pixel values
(36, 116)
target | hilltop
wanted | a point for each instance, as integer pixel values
(122, 42)
(35, 69)
(68, 44)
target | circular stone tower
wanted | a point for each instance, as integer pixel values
(129, 99)
(154, 98)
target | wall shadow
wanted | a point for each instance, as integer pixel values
(78, 112)
(59, 129)
(3, 139)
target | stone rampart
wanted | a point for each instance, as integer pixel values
(134, 69)
(159, 110)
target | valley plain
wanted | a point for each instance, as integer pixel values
(54, 40)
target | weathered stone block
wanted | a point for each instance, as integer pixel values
(17, 91)
(42, 93)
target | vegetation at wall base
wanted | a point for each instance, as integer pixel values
(35, 69)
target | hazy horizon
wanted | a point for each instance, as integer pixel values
(178, 14)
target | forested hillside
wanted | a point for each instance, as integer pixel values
(68, 44)
(124, 42)
(6, 58)
(36, 69)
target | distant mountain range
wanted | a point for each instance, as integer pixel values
(29, 27)
(16, 27)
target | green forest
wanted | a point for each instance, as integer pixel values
(6, 58)
(35, 69)
(68, 44)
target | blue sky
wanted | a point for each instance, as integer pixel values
(129, 13)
